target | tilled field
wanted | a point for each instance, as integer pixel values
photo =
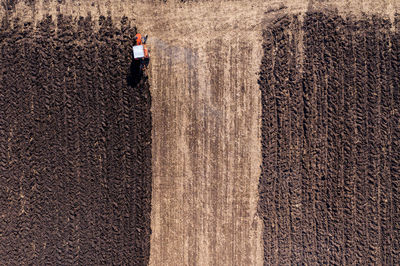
(75, 145)
(329, 191)
(84, 147)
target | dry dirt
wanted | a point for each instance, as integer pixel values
(212, 129)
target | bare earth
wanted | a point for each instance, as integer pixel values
(206, 115)
(206, 129)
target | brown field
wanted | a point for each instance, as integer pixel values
(329, 191)
(75, 146)
(263, 132)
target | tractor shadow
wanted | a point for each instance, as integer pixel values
(135, 74)
(137, 80)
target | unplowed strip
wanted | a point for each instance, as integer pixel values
(205, 130)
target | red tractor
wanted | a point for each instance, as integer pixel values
(140, 51)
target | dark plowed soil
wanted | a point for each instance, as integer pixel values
(330, 185)
(75, 145)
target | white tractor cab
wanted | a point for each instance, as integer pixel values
(138, 51)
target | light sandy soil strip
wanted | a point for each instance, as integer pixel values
(206, 134)
(205, 144)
